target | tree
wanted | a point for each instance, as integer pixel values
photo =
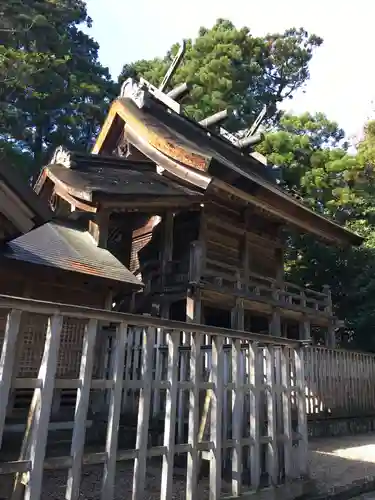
(312, 154)
(230, 68)
(53, 89)
(313, 157)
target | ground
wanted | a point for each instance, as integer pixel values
(342, 461)
(335, 463)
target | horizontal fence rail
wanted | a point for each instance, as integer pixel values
(234, 400)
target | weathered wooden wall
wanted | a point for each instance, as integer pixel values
(242, 241)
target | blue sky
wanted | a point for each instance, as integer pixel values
(342, 80)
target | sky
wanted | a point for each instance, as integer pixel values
(342, 82)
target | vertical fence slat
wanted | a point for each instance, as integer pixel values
(181, 393)
(8, 354)
(173, 341)
(82, 404)
(216, 417)
(195, 378)
(286, 411)
(237, 417)
(127, 369)
(144, 407)
(272, 462)
(301, 410)
(43, 400)
(158, 370)
(118, 352)
(254, 381)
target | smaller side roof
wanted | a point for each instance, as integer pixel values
(88, 176)
(64, 246)
(21, 210)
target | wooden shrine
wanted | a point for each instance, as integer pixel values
(182, 220)
(195, 214)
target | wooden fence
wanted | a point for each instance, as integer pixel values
(339, 383)
(265, 431)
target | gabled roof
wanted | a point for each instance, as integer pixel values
(189, 152)
(21, 210)
(67, 247)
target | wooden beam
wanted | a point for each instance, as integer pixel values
(140, 203)
(63, 193)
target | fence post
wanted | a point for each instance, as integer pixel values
(173, 341)
(35, 439)
(255, 373)
(237, 416)
(216, 417)
(301, 409)
(286, 410)
(8, 355)
(82, 404)
(195, 378)
(118, 355)
(139, 478)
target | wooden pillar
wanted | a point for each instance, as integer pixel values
(193, 315)
(246, 252)
(304, 324)
(238, 312)
(99, 228)
(330, 337)
(103, 345)
(275, 322)
(167, 250)
(279, 253)
(163, 306)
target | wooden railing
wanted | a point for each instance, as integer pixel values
(257, 286)
(267, 442)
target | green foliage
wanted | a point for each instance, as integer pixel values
(53, 89)
(230, 68)
(315, 162)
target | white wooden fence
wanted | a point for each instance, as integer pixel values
(262, 440)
